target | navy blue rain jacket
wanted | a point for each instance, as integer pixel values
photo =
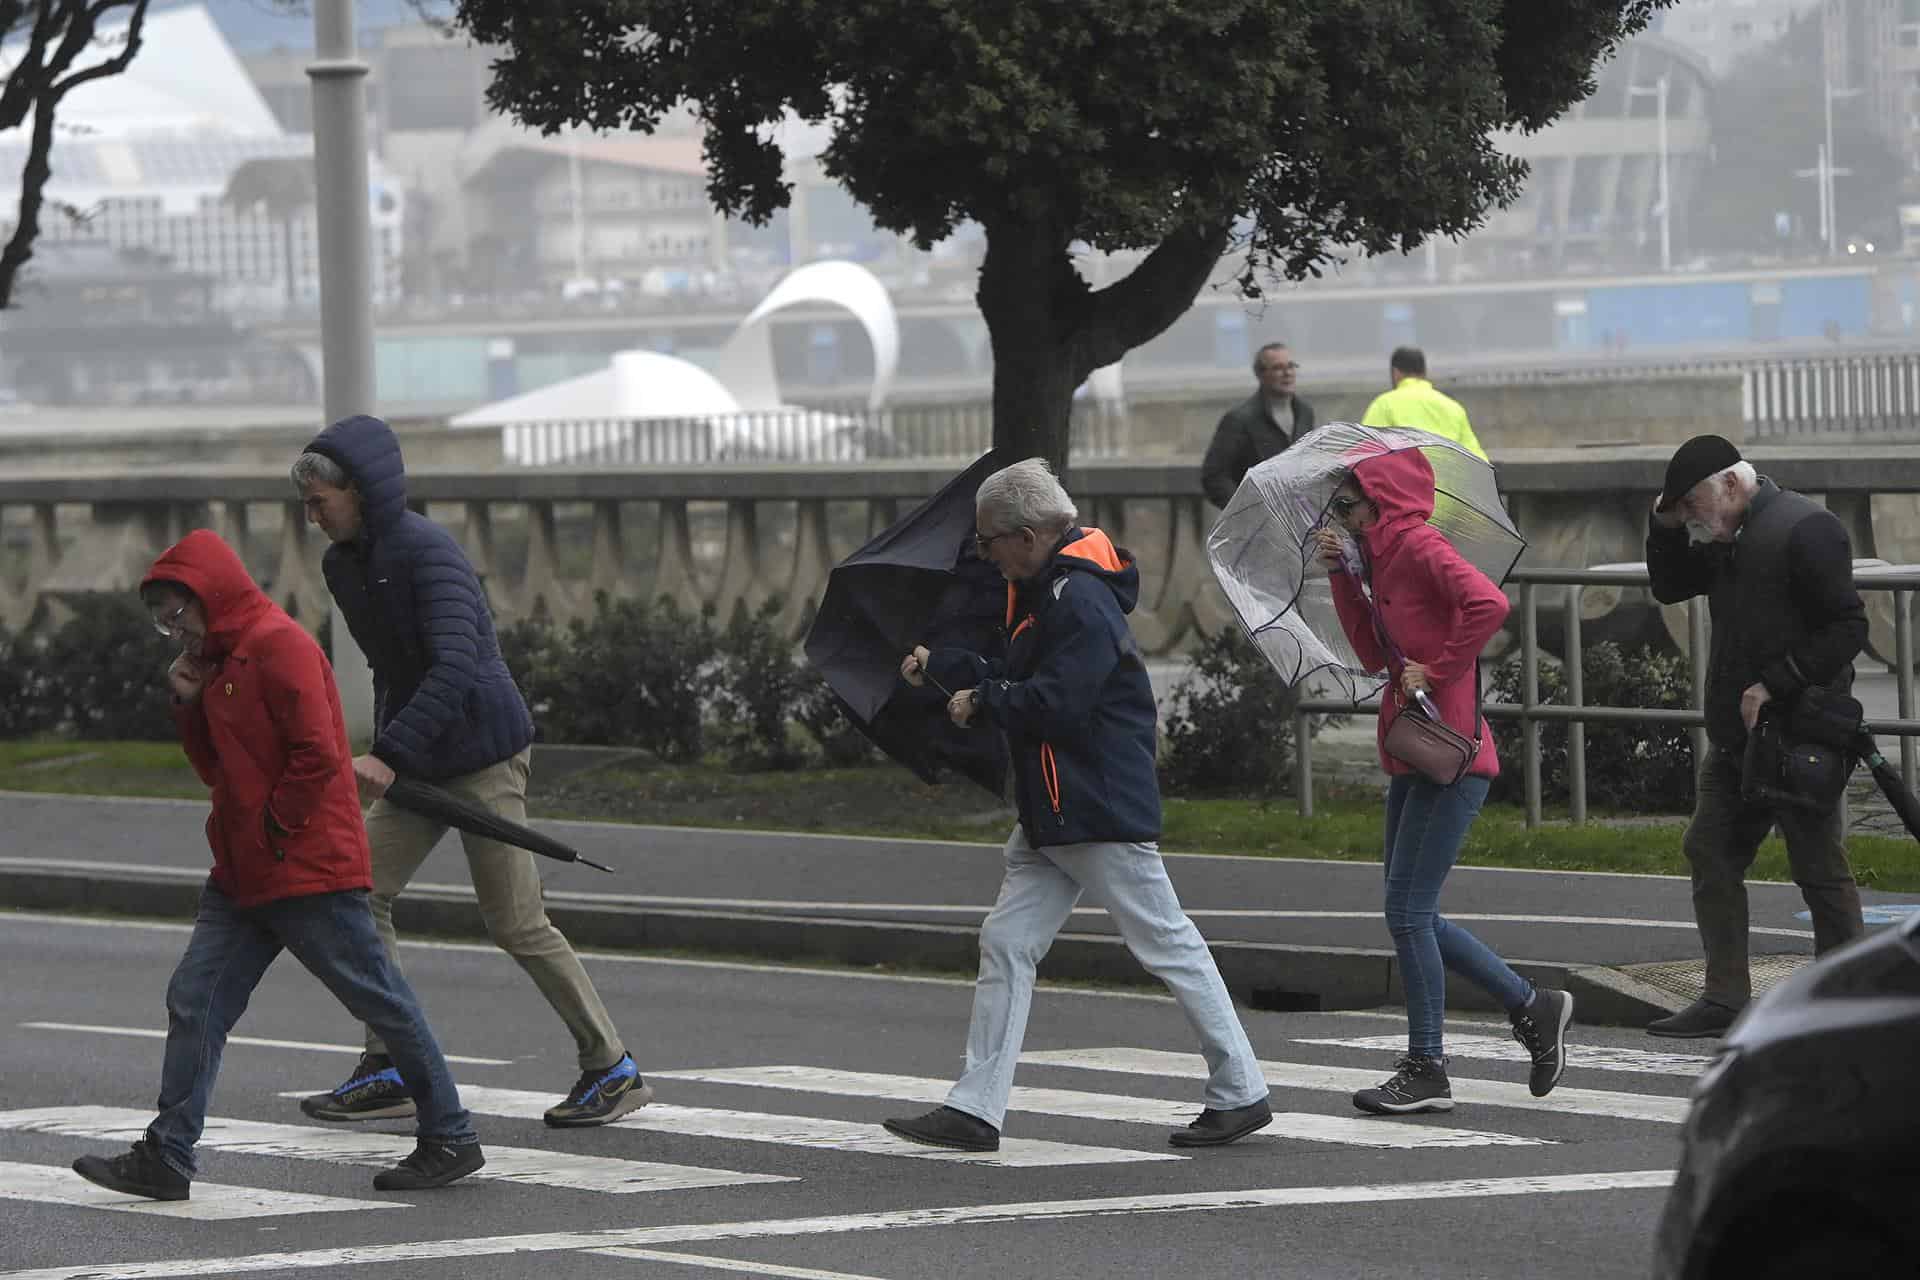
(1073, 698)
(444, 702)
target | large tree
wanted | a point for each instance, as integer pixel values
(1307, 127)
(52, 48)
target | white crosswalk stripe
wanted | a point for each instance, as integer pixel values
(211, 1202)
(1161, 1112)
(1583, 1057)
(803, 1131)
(1300, 1075)
(360, 1147)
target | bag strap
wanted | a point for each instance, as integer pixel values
(1393, 651)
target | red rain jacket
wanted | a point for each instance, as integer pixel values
(268, 736)
(1439, 609)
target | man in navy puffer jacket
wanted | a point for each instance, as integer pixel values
(446, 710)
(1076, 706)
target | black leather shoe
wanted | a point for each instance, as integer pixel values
(1217, 1128)
(945, 1127)
(432, 1164)
(1699, 1020)
(140, 1172)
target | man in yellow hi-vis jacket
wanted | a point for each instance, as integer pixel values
(1413, 402)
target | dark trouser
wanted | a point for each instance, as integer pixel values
(332, 935)
(1720, 845)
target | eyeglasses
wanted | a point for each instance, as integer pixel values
(985, 544)
(1291, 366)
(1343, 506)
(168, 625)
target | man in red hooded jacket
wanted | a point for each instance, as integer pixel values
(259, 717)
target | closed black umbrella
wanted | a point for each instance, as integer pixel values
(919, 581)
(443, 806)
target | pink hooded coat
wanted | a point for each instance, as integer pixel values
(1439, 609)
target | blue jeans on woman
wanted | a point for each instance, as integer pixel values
(1425, 824)
(332, 935)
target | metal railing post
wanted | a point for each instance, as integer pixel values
(1529, 698)
(1697, 659)
(1903, 655)
(1576, 696)
(1303, 763)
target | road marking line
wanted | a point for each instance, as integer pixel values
(1300, 1075)
(211, 1202)
(1505, 1049)
(363, 1147)
(1298, 1125)
(804, 1131)
(732, 1264)
(150, 1033)
(789, 1228)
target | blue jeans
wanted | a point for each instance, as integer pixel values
(1037, 897)
(332, 935)
(1425, 824)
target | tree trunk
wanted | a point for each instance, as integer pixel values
(1048, 330)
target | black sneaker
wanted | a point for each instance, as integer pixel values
(140, 1172)
(1541, 1028)
(1418, 1084)
(372, 1092)
(1701, 1020)
(600, 1096)
(1217, 1128)
(432, 1164)
(945, 1127)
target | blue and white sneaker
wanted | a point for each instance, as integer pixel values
(373, 1092)
(600, 1096)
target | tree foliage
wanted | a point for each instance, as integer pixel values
(1312, 126)
(53, 47)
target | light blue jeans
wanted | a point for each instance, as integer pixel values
(1040, 890)
(1425, 824)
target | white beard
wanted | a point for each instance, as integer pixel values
(1699, 531)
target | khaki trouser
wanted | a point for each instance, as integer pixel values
(1720, 845)
(508, 886)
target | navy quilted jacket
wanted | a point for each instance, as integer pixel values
(444, 702)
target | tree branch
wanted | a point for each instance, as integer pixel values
(1134, 311)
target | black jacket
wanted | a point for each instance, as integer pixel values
(1781, 595)
(1245, 437)
(444, 701)
(1073, 698)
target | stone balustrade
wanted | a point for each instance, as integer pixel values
(548, 539)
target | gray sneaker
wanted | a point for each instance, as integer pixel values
(372, 1092)
(1418, 1084)
(1541, 1029)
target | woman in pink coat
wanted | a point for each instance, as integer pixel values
(1430, 614)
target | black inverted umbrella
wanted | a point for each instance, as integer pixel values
(443, 806)
(917, 582)
(1892, 785)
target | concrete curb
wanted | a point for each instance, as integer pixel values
(1268, 976)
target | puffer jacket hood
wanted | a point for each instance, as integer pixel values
(368, 450)
(1091, 552)
(204, 564)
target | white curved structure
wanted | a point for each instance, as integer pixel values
(740, 398)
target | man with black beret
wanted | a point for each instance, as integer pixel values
(1777, 570)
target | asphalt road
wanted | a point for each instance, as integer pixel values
(1559, 917)
(738, 1169)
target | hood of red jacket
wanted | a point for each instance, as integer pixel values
(204, 564)
(1400, 486)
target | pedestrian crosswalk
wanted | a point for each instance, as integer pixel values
(755, 1106)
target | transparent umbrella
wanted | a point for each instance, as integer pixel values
(1262, 555)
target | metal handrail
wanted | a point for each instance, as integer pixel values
(1532, 713)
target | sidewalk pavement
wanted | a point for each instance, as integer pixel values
(1288, 934)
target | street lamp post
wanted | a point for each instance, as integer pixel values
(345, 240)
(1829, 210)
(1658, 92)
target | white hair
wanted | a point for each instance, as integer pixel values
(310, 466)
(1024, 496)
(1742, 471)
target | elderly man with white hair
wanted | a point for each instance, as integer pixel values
(1777, 570)
(1073, 699)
